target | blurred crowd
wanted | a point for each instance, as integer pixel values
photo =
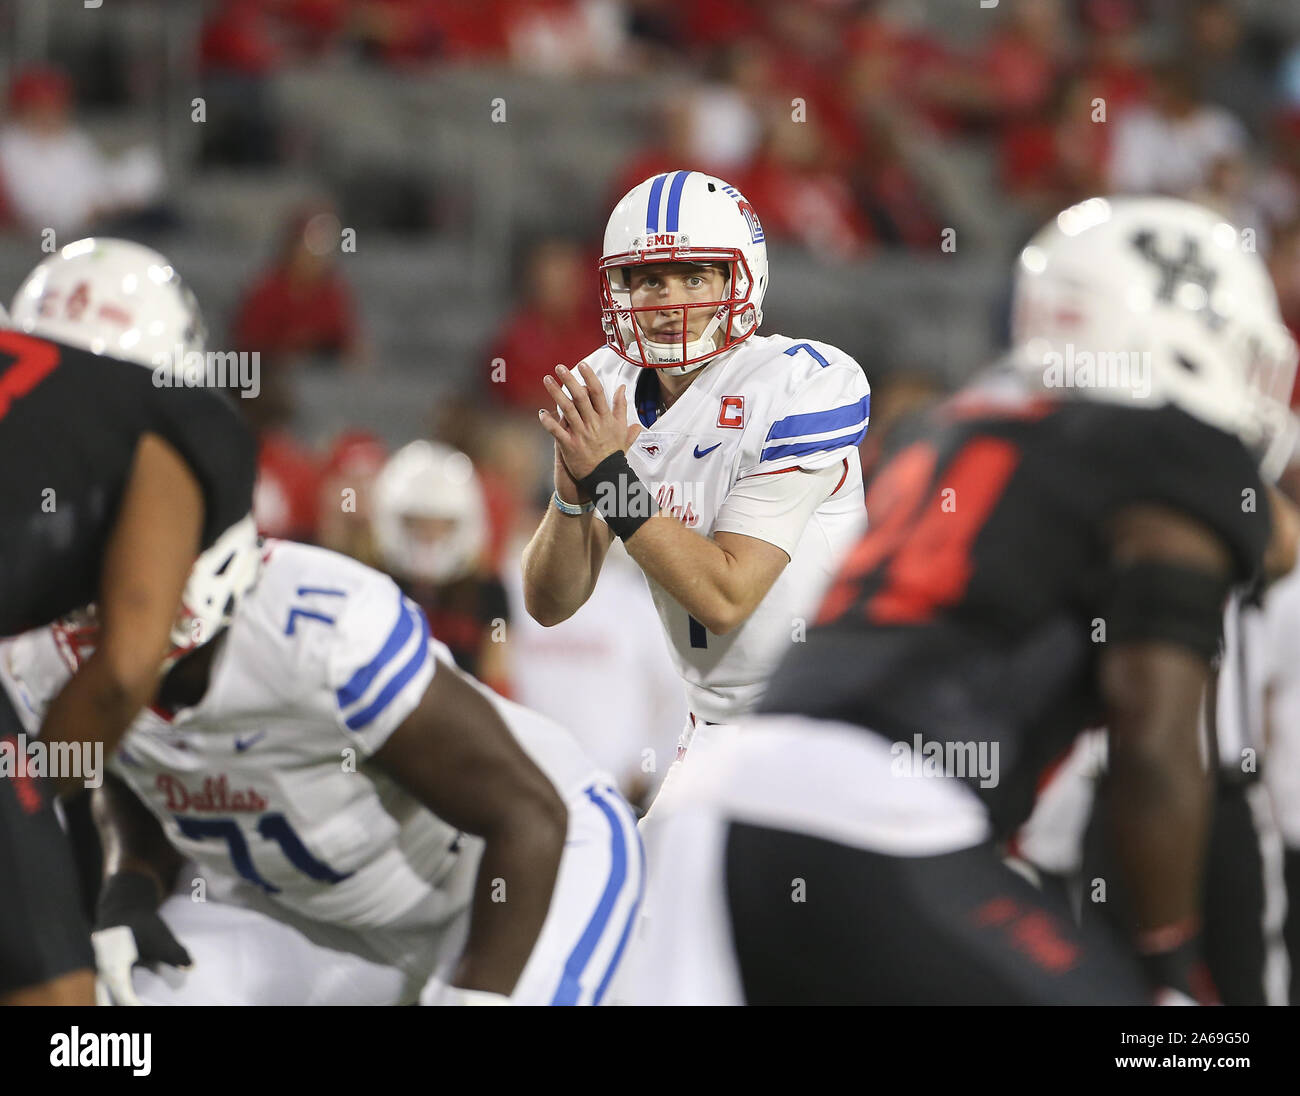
(1074, 96)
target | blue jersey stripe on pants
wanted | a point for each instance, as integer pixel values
(570, 988)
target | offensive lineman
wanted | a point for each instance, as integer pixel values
(1078, 578)
(112, 486)
(317, 760)
(725, 460)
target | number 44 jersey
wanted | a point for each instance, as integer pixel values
(973, 610)
(773, 407)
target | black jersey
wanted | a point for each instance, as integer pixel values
(70, 422)
(972, 611)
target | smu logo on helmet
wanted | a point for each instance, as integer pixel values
(747, 211)
(663, 239)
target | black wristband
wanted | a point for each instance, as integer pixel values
(620, 496)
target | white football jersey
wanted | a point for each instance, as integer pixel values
(772, 405)
(266, 778)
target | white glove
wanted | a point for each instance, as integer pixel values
(457, 996)
(115, 954)
(440, 994)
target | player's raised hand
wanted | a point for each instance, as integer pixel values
(588, 429)
(565, 485)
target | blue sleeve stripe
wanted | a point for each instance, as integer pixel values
(652, 209)
(675, 200)
(820, 422)
(398, 681)
(360, 681)
(775, 452)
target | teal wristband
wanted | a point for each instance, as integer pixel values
(568, 507)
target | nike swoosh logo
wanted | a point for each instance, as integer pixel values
(241, 744)
(707, 451)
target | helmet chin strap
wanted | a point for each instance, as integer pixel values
(656, 351)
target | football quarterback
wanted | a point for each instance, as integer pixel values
(725, 460)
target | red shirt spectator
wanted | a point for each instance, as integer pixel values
(287, 489)
(798, 197)
(301, 305)
(707, 23)
(237, 37)
(1020, 72)
(533, 344)
(1114, 56)
(471, 28)
(281, 315)
(1061, 158)
(558, 324)
(899, 210)
(899, 68)
(345, 493)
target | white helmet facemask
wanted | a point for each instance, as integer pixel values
(668, 356)
(220, 579)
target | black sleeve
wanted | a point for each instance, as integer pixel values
(1167, 456)
(217, 444)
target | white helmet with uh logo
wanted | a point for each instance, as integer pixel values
(1153, 301)
(683, 216)
(112, 297)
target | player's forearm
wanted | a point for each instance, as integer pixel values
(1158, 808)
(559, 567)
(696, 572)
(97, 705)
(516, 878)
(131, 837)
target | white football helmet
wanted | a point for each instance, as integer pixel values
(111, 297)
(1150, 301)
(426, 480)
(683, 216)
(220, 578)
